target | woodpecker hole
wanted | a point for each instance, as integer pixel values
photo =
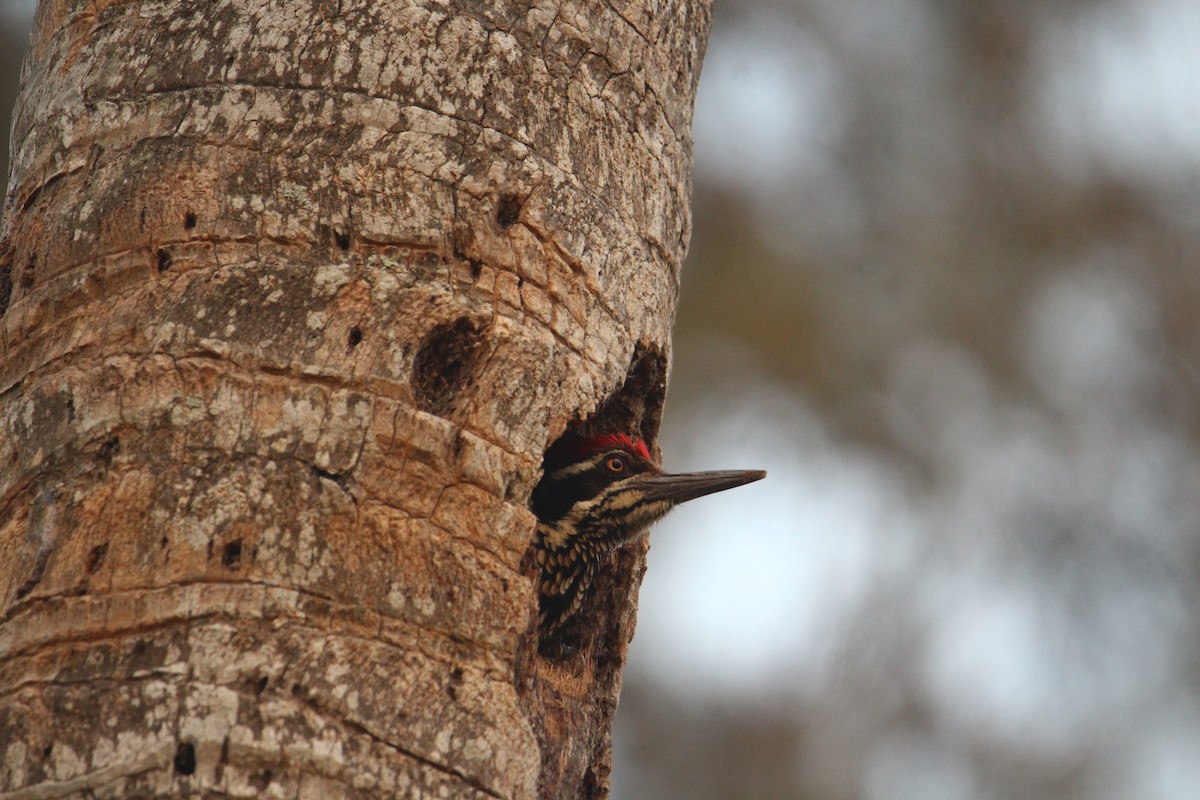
(429, 261)
(342, 240)
(145, 656)
(185, 758)
(28, 273)
(508, 210)
(189, 220)
(443, 365)
(354, 338)
(109, 450)
(231, 556)
(456, 680)
(261, 780)
(95, 558)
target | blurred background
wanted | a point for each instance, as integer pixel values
(945, 286)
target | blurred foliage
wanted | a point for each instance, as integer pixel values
(967, 251)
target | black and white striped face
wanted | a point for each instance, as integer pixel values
(571, 483)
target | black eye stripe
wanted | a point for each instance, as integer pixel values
(561, 488)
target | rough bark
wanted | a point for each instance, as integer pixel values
(295, 295)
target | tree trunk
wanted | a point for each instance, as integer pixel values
(295, 296)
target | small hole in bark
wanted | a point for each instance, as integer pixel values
(232, 555)
(456, 680)
(354, 338)
(508, 210)
(47, 749)
(443, 365)
(261, 780)
(185, 758)
(162, 543)
(297, 689)
(164, 259)
(70, 408)
(261, 685)
(189, 220)
(109, 450)
(341, 239)
(95, 558)
(27, 274)
(476, 268)
(143, 655)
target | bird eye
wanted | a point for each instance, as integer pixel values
(615, 464)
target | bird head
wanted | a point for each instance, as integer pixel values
(608, 489)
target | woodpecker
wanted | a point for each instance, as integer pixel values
(597, 494)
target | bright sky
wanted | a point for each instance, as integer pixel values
(1124, 84)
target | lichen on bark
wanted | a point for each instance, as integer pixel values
(297, 296)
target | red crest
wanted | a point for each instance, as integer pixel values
(572, 448)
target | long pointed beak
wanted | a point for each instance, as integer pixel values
(683, 486)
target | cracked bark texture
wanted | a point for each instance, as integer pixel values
(295, 295)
